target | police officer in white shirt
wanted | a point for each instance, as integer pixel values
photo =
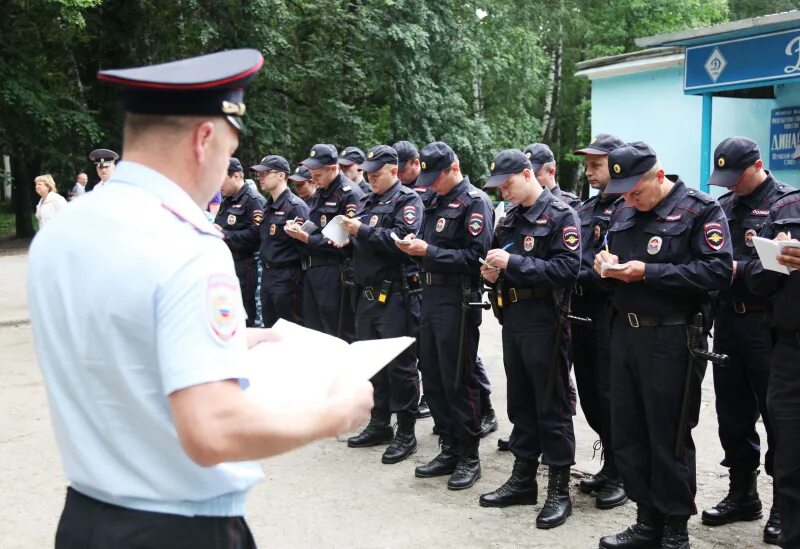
(156, 436)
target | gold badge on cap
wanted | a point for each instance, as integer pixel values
(297, 169)
(617, 168)
(424, 166)
(721, 162)
(491, 168)
(313, 152)
(593, 140)
(371, 154)
(528, 154)
(233, 108)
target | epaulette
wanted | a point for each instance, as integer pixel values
(702, 197)
(346, 188)
(788, 198)
(475, 193)
(558, 205)
(784, 188)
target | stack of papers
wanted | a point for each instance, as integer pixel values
(334, 231)
(769, 250)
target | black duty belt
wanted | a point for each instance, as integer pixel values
(320, 261)
(744, 307)
(281, 264)
(791, 337)
(432, 279)
(636, 320)
(518, 294)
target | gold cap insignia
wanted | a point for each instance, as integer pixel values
(236, 109)
(491, 168)
(617, 168)
(313, 152)
(721, 162)
(297, 169)
(593, 140)
(371, 154)
(528, 154)
(424, 166)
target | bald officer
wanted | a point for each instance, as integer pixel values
(154, 432)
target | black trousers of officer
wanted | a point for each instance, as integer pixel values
(591, 355)
(648, 366)
(87, 523)
(322, 290)
(456, 410)
(247, 274)
(282, 294)
(542, 425)
(397, 385)
(783, 400)
(741, 387)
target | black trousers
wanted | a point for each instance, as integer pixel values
(591, 355)
(648, 365)
(456, 410)
(247, 274)
(783, 400)
(282, 295)
(87, 523)
(397, 385)
(542, 424)
(322, 301)
(741, 388)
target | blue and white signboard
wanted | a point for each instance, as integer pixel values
(784, 136)
(742, 63)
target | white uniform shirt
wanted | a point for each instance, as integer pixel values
(140, 268)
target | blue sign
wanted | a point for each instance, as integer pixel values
(742, 63)
(784, 136)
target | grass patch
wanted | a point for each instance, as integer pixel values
(7, 220)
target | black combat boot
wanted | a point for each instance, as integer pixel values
(612, 493)
(442, 464)
(502, 445)
(599, 479)
(675, 536)
(404, 442)
(520, 489)
(557, 507)
(378, 431)
(772, 530)
(645, 533)
(741, 503)
(422, 410)
(468, 469)
(488, 417)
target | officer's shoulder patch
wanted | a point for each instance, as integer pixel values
(475, 224)
(572, 237)
(221, 306)
(715, 237)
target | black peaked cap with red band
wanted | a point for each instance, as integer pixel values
(210, 84)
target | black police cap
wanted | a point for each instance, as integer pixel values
(433, 159)
(103, 156)
(210, 84)
(272, 162)
(601, 144)
(378, 157)
(406, 151)
(321, 155)
(351, 155)
(506, 164)
(301, 173)
(234, 165)
(731, 158)
(627, 164)
(539, 154)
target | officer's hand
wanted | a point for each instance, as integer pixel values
(352, 402)
(604, 257)
(258, 335)
(351, 225)
(335, 245)
(633, 272)
(217, 227)
(298, 234)
(498, 258)
(418, 247)
(489, 274)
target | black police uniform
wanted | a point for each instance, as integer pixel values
(282, 276)
(784, 381)
(240, 216)
(685, 245)
(324, 307)
(458, 230)
(571, 199)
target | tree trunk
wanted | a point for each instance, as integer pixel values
(24, 170)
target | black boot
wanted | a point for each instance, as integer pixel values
(557, 507)
(468, 469)
(423, 411)
(520, 489)
(645, 533)
(502, 445)
(599, 479)
(378, 431)
(741, 503)
(442, 464)
(488, 418)
(612, 494)
(404, 442)
(772, 530)
(676, 536)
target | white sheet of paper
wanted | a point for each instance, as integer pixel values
(301, 368)
(499, 212)
(335, 232)
(399, 240)
(308, 226)
(768, 251)
(612, 267)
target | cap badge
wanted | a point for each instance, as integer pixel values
(593, 140)
(721, 162)
(424, 166)
(313, 153)
(371, 154)
(297, 169)
(233, 108)
(528, 154)
(617, 168)
(491, 168)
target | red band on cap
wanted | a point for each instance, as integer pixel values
(200, 86)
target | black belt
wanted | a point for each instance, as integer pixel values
(636, 320)
(518, 294)
(432, 279)
(789, 336)
(744, 307)
(282, 264)
(320, 261)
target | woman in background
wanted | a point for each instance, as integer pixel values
(51, 202)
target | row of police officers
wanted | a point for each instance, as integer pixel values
(625, 286)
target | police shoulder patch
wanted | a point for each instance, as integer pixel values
(258, 216)
(475, 224)
(222, 306)
(714, 236)
(350, 210)
(410, 214)
(571, 236)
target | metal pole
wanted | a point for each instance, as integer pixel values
(705, 143)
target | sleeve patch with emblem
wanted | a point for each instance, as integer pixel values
(715, 238)
(572, 237)
(475, 224)
(222, 307)
(410, 214)
(258, 216)
(350, 210)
